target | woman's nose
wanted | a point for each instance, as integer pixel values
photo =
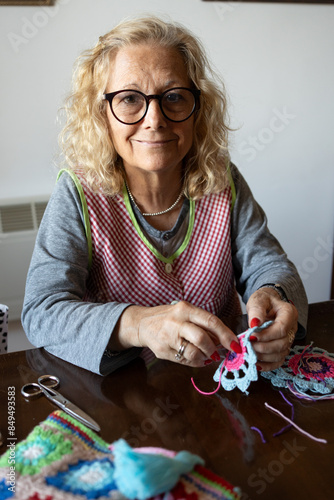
(154, 117)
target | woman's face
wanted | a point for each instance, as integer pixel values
(155, 144)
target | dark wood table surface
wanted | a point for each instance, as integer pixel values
(160, 407)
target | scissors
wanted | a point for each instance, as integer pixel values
(45, 385)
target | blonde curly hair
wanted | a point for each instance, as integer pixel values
(85, 139)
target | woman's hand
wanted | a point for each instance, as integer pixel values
(165, 328)
(273, 344)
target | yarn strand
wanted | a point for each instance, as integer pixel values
(292, 416)
(295, 425)
(216, 390)
(308, 397)
(259, 432)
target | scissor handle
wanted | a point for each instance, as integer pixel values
(44, 379)
(33, 390)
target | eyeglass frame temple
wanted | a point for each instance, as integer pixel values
(109, 97)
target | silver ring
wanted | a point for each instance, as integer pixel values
(291, 336)
(180, 352)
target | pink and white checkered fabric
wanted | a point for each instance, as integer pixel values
(125, 269)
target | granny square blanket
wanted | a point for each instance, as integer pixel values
(62, 459)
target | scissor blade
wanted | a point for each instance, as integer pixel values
(74, 411)
(80, 415)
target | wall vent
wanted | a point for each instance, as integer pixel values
(19, 222)
(21, 216)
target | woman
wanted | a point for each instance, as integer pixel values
(151, 227)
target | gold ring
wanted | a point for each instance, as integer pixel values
(180, 352)
(291, 336)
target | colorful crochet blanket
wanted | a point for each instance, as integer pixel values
(62, 459)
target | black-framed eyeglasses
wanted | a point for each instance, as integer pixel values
(130, 106)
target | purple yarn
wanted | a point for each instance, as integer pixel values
(258, 430)
(286, 400)
(284, 428)
(287, 427)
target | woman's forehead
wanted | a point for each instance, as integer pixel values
(147, 64)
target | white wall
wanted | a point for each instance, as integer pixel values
(277, 63)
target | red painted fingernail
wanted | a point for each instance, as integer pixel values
(252, 338)
(259, 368)
(215, 356)
(236, 347)
(255, 322)
(207, 362)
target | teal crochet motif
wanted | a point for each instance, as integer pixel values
(238, 370)
(149, 477)
(308, 372)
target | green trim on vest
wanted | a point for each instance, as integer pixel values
(84, 211)
(146, 241)
(232, 186)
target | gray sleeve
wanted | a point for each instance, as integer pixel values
(54, 314)
(258, 258)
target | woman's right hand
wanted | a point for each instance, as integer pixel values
(164, 328)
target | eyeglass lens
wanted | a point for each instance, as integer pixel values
(130, 106)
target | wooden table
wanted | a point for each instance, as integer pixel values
(160, 407)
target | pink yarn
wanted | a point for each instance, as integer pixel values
(216, 390)
(233, 361)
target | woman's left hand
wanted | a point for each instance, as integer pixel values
(273, 344)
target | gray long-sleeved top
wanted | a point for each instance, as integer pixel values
(54, 315)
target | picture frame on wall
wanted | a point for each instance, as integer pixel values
(21, 3)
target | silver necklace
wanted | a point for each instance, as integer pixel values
(153, 213)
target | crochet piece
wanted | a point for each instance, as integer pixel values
(62, 459)
(308, 372)
(149, 476)
(238, 370)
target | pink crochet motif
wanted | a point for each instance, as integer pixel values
(233, 360)
(312, 365)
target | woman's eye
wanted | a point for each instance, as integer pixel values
(131, 99)
(174, 98)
